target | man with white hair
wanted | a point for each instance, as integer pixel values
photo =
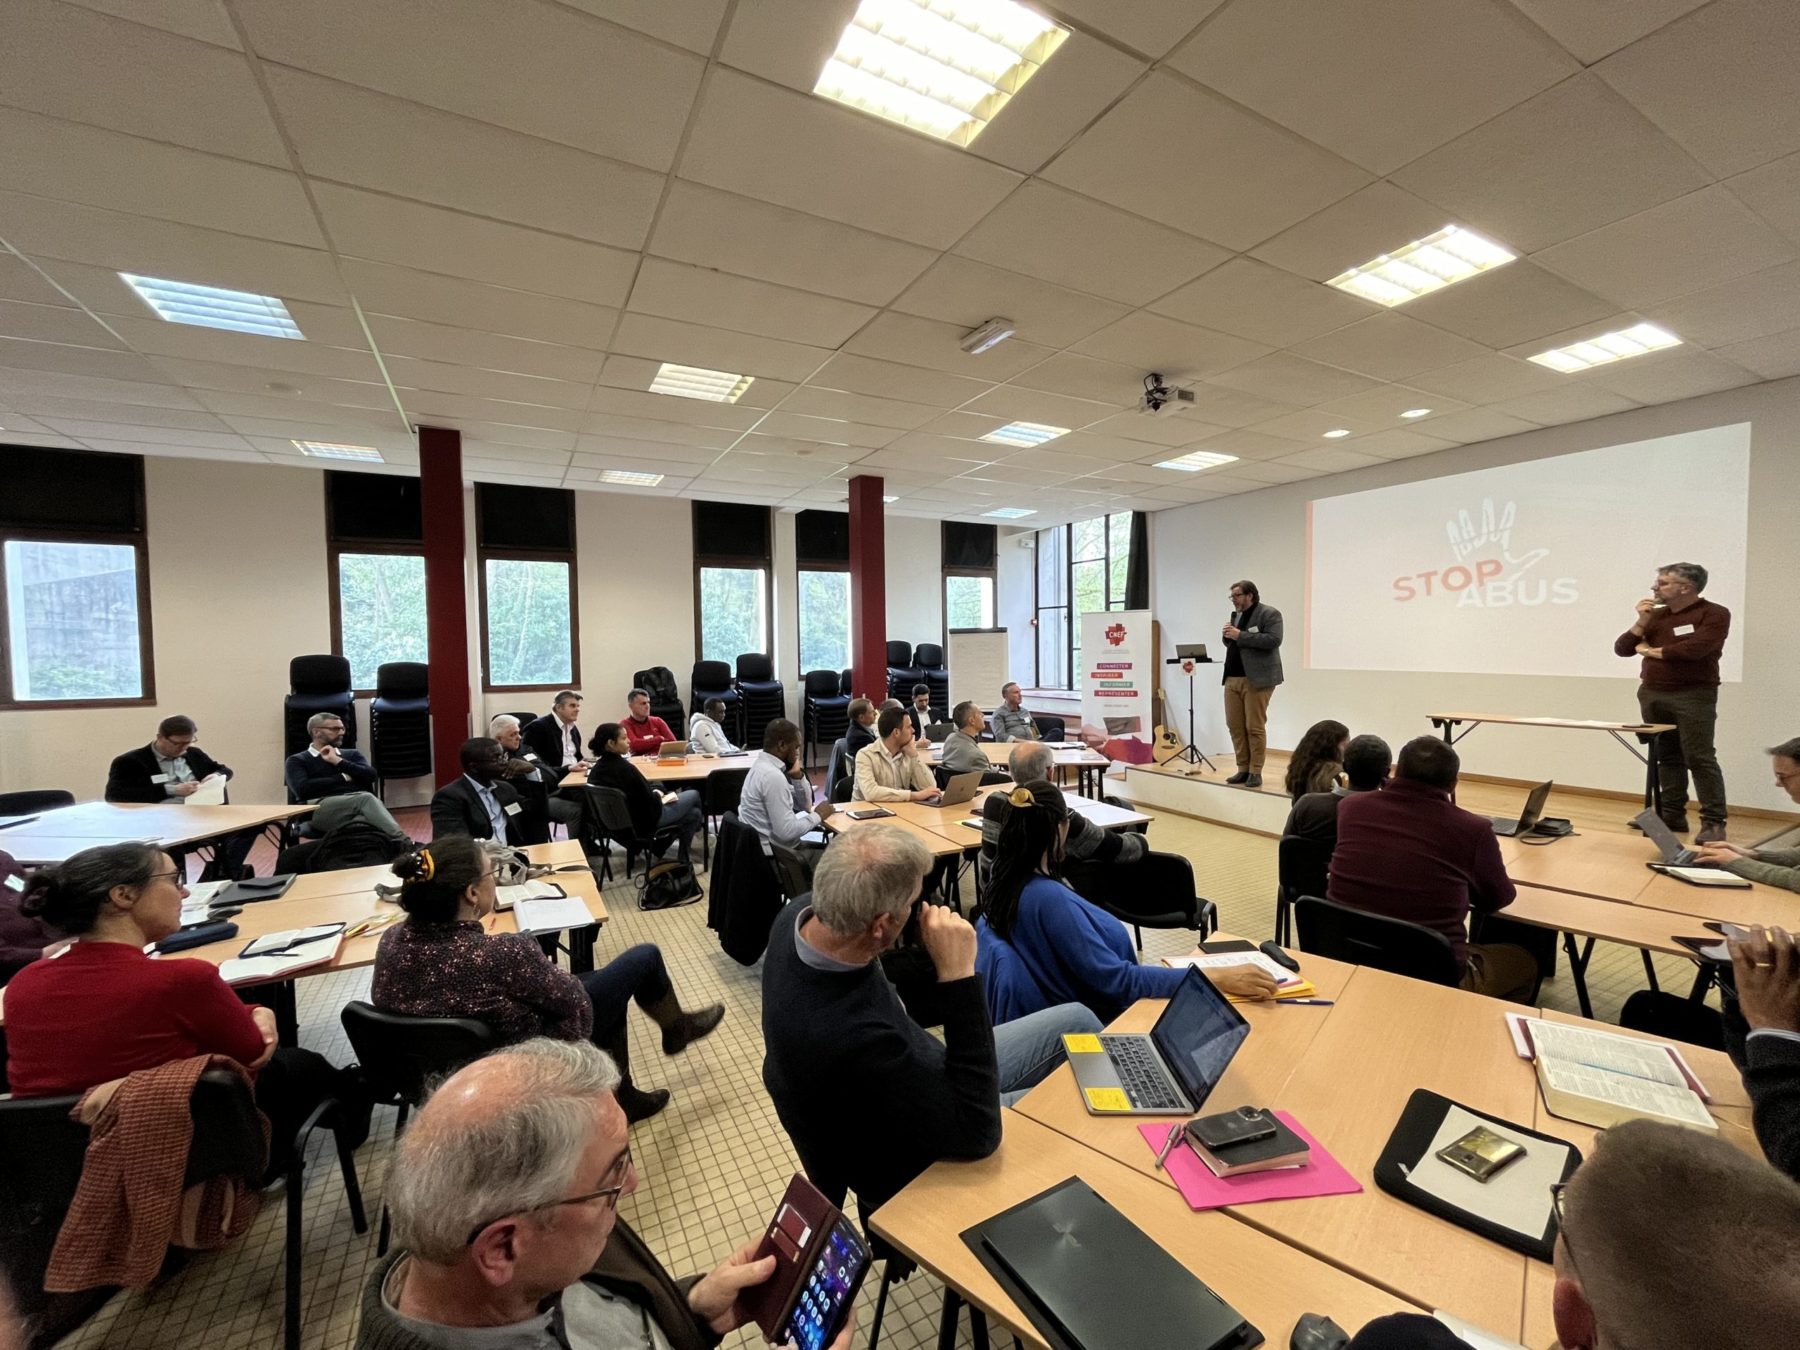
(504, 1194)
(869, 1098)
(1030, 762)
(562, 810)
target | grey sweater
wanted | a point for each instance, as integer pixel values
(963, 754)
(1773, 867)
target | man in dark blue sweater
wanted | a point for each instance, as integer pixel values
(869, 1099)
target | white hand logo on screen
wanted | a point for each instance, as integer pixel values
(1466, 536)
(1487, 574)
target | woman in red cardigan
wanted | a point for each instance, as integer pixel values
(104, 1008)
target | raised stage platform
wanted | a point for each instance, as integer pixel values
(1195, 790)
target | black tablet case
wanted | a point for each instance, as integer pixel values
(1411, 1140)
(1090, 1279)
(252, 890)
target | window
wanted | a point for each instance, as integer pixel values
(1081, 569)
(374, 535)
(822, 549)
(731, 580)
(969, 574)
(74, 580)
(525, 540)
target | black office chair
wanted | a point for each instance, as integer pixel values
(720, 791)
(400, 722)
(665, 696)
(401, 1057)
(765, 697)
(606, 816)
(34, 801)
(840, 773)
(928, 660)
(1155, 892)
(710, 680)
(1301, 867)
(1365, 939)
(1050, 727)
(824, 708)
(902, 674)
(317, 684)
(791, 871)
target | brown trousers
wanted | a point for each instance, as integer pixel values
(1501, 970)
(1246, 716)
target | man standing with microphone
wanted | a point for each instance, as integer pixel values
(1679, 636)
(1252, 670)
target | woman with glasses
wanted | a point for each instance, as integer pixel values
(443, 962)
(1040, 944)
(103, 1009)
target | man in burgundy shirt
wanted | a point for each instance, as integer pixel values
(644, 732)
(1680, 636)
(1410, 853)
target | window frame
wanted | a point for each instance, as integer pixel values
(726, 562)
(483, 555)
(989, 574)
(388, 548)
(1112, 602)
(800, 570)
(139, 541)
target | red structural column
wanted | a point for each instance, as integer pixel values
(868, 587)
(446, 595)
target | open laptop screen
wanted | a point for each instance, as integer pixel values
(1198, 1034)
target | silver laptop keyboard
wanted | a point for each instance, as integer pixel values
(1141, 1074)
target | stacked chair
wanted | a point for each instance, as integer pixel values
(665, 697)
(902, 673)
(400, 722)
(712, 679)
(928, 659)
(825, 708)
(764, 697)
(318, 684)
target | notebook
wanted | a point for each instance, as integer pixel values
(552, 916)
(505, 897)
(1322, 1174)
(275, 956)
(1288, 984)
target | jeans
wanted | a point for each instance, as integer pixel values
(636, 973)
(1687, 749)
(1030, 1047)
(686, 812)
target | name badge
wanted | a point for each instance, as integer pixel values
(159, 778)
(1684, 630)
(511, 808)
(15, 883)
(1253, 630)
(532, 758)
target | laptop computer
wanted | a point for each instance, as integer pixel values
(672, 750)
(1190, 651)
(1674, 852)
(1170, 1071)
(961, 788)
(1529, 817)
(1681, 862)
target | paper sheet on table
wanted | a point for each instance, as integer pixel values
(1516, 1199)
(1221, 960)
(505, 897)
(211, 792)
(200, 895)
(552, 916)
(1636, 1094)
(1656, 1060)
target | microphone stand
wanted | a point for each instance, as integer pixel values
(1189, 752)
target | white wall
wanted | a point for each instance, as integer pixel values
(1199, 550)
(915, 580)
(1015, 602)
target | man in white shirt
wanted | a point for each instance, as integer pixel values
(777, 798)
(555, 738)
(706, 730)
(1011, 721)
(892, 770)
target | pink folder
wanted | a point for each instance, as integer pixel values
(1323, 1175)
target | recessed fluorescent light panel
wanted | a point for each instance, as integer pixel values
(213, 307)
(890, 500)
(943, 67)
(332, 450)
(1451, 255)
(1337, 433)
(1607, 348)
(1024, 434)
(630, 478)
(714, 386)
(1198, 460)
(1009, 512)
(1413, 414)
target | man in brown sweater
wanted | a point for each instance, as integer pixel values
(1679, 636)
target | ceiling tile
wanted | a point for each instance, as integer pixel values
(1084, 377)
(1592, 29)
(1571, 403)
(489, 351)
(1720, 81)
(967, 293)
(787, 41)
(673, 408)
(722, 300)
(1177, 351)
(233, 406)
(1487, 379)
(693, 24)
(1054, 462)
(92, 410)
(1070, 91)
(1048, 233)
(656, 432)
(537, 69)
(1477, 424)
(1445, 66)
(966, 426)
(826, 430)
(1385, 405)
(1292, 380)
(54, 323)
(1250, 299)
(1389, 347)
(756, 239)
(1226, 176)
(1663, 377)
(1379, 219)
(1308, 426)
(1270, 471)
(1510, 304)
(1330, 459)
(1685, 245)
(887, 379)
(111, 365)
(936, 346)
(19, 280)
(1734, 311)
(512, 440)
(1773, 357)
(1223, 407)
(1031, 405)
(1149, 26)
(200, 19)
(148, 435)
(637, 373)
(624, 452)
(1250, 445)
(23, 389)
(1133, 435)
(431, 239)
(879, 412)
(1572, 159)
(72, 162)
(412, 373)
(155, 337)
(404, 293)
(1773, 192)
(424, 405)
(690, 344)
(373, 140)
(88, 67)
(795, 150)
(242, 379)
(1396, 444)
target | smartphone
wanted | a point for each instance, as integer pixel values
(1245, 1125)
(1481, 1153)
(829, 1290)
(870, 813)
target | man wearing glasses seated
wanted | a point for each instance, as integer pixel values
(504, 1195)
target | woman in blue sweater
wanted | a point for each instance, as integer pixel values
(1040, 944)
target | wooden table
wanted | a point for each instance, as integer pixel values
(940, 845)
(1270, 1283)
(56, 834)
(1617, 730)
(693, 769)
(948, 820)
(1090, 768)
